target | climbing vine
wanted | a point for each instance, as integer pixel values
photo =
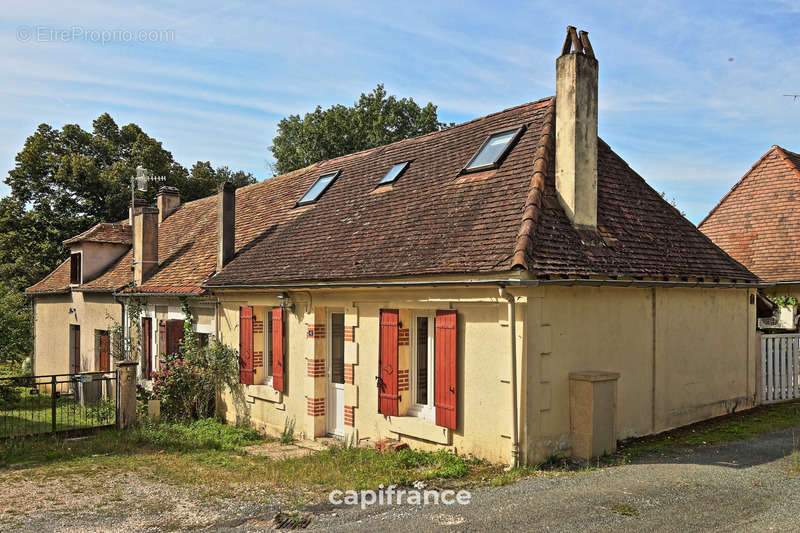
(783, 300)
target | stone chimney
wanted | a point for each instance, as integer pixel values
(168, 200)
(226, 206)
(576, 129)
(145, 244)
(138, 204)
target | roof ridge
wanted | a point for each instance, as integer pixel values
(785, 156)
(736, 185)
(523, 249)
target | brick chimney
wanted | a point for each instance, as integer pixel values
(145, 244)
(226, 205)
(576, 129)
(168, 200)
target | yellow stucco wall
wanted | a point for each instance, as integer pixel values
(484, 403)
(51, 328)
(683, 354)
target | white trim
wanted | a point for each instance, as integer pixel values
(330, 416)
(266, 316)
(425, 411)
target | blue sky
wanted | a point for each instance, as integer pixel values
(691, 93)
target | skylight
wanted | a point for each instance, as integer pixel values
(493, 150)
(393, 173)
(319, 187)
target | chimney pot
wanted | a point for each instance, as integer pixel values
(226, 223)
(576, 129)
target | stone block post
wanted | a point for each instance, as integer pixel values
(593, 413)
(126, 408)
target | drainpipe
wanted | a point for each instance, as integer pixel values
(512, 337)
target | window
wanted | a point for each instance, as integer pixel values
(74, 349)
(147, 347)
(268, 347)
(75, 269)
(337, 348)
(393, 173)
(102, 348)
(422, 366)
(319, 187)
(493, 150)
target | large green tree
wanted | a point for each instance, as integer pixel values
(64, 181)
(374, 120)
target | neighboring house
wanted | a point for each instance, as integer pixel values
(443, 289)
(758, 222)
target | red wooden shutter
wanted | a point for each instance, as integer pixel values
(147, 347)
(277, 349)
(246, 370)
(105, 348)
(174, 336)
(162, 336)
(446, 375)
(388, 398)
(75, 331)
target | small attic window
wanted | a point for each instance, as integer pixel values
(319, 187)
(394, 173)
(75, 269)
(493, 150)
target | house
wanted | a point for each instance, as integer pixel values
(479, 287)
(757, 222)
(508, 287)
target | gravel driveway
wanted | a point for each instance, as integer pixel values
(748, 485)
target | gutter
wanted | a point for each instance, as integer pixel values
(515, 282)
(512, 333)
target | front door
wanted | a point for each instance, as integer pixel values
(335, 376)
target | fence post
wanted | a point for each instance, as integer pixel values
(53, 402)
(126, 381)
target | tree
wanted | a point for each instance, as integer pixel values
(65, 181)
(375, 120)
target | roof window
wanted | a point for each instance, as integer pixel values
(319, 187)
(493, 150)
(394, 173)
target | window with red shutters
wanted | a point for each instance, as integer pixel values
(103, 349)
(278, 328)
(75, 269)
(388, 398)
(246, 370)
(446, 369)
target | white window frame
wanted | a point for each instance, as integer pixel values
(266, 316)
(425, 411)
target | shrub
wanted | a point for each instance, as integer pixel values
(188, 381)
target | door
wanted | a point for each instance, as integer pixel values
(103, 351)
(335, 376)
(74, 349)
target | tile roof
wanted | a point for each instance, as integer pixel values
(56, 281)
(105, 232)
(433, 220)
(757, 221)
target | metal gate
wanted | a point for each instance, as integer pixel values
(780, 367)
(57, 402)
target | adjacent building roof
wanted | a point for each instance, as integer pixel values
(758, 221)
(434, 219)
(104, 232)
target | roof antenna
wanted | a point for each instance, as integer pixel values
(794, 96)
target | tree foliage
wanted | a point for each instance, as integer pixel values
(374, 120)
(65, 181)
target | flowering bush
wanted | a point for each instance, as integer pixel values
(188, 380)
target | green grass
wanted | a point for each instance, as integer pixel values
(32, 413)
(208, 455)
(731, 427)
(625, 509)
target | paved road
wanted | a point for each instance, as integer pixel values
(743, 486)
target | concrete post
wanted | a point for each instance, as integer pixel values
(593, 413)
(126, 408)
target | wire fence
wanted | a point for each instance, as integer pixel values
(54, 403)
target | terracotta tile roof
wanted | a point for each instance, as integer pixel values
(56, 281)
(433, 221)
(758, 222)
(115, 233)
